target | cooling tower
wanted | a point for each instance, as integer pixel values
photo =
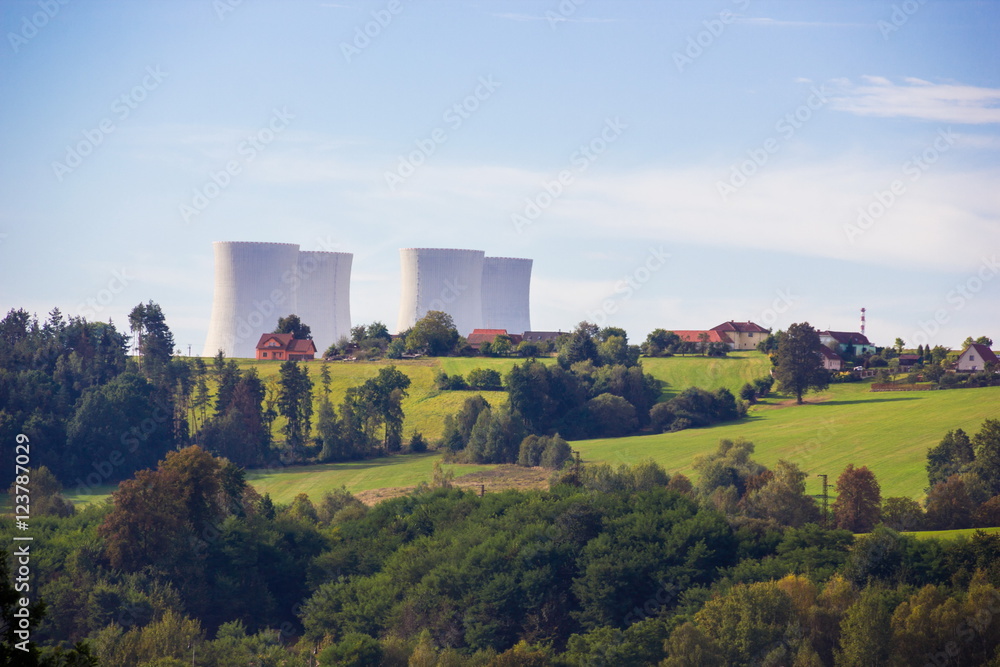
(441, 279)
(323, 295)
(254, 286)
(506, 290)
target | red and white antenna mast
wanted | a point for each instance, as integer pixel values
(863, 321)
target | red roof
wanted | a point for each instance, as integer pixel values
(740, 327)
(693, 336)
(828, 353)
(985, 353)
(480, 336)
(288, 343)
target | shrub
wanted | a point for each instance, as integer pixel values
(485, 379)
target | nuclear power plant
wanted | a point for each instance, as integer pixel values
(477, 291)
(506, 292)
(256, 283)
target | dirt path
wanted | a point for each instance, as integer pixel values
(500, 478)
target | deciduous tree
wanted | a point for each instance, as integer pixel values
(800, 366)
(859, 500)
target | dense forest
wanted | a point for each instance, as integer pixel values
(188, 564)
(624, 566)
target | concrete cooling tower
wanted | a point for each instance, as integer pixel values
(323, 295)
(441, 279)
(256, 283)
(506, 291)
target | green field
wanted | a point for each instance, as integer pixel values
(731, 372)
(949, 534)
(426, 407)
(380, 473)
(888, 432)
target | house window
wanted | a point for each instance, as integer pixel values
(263, 355)
(972, 357)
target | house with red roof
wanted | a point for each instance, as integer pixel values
(698, 336)
(285, 347)
(831, 360)
(742, 335)
(975, 358)
(480, 336)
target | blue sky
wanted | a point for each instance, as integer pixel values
(666, 164)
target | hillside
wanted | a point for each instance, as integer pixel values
(888, 432)
(845, 424)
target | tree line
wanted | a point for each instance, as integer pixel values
(626, 564)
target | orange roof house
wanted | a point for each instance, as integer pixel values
(694, 336)
(480, 336)
(285, 347)
(742, 335)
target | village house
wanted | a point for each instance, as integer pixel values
(847, 339)
(704, 335)
(831, 360)
(741, 335)
(480, 336)
(975, 358)
(285, 347)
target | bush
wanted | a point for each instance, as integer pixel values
(446, 382)
(612, 416)
(417, 443)
(485, 379)
(556, 453)
(763, 386)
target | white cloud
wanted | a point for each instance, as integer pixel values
(941, 102)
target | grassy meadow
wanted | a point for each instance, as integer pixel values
(889, 432)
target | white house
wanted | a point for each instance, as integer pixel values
(975, 357)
